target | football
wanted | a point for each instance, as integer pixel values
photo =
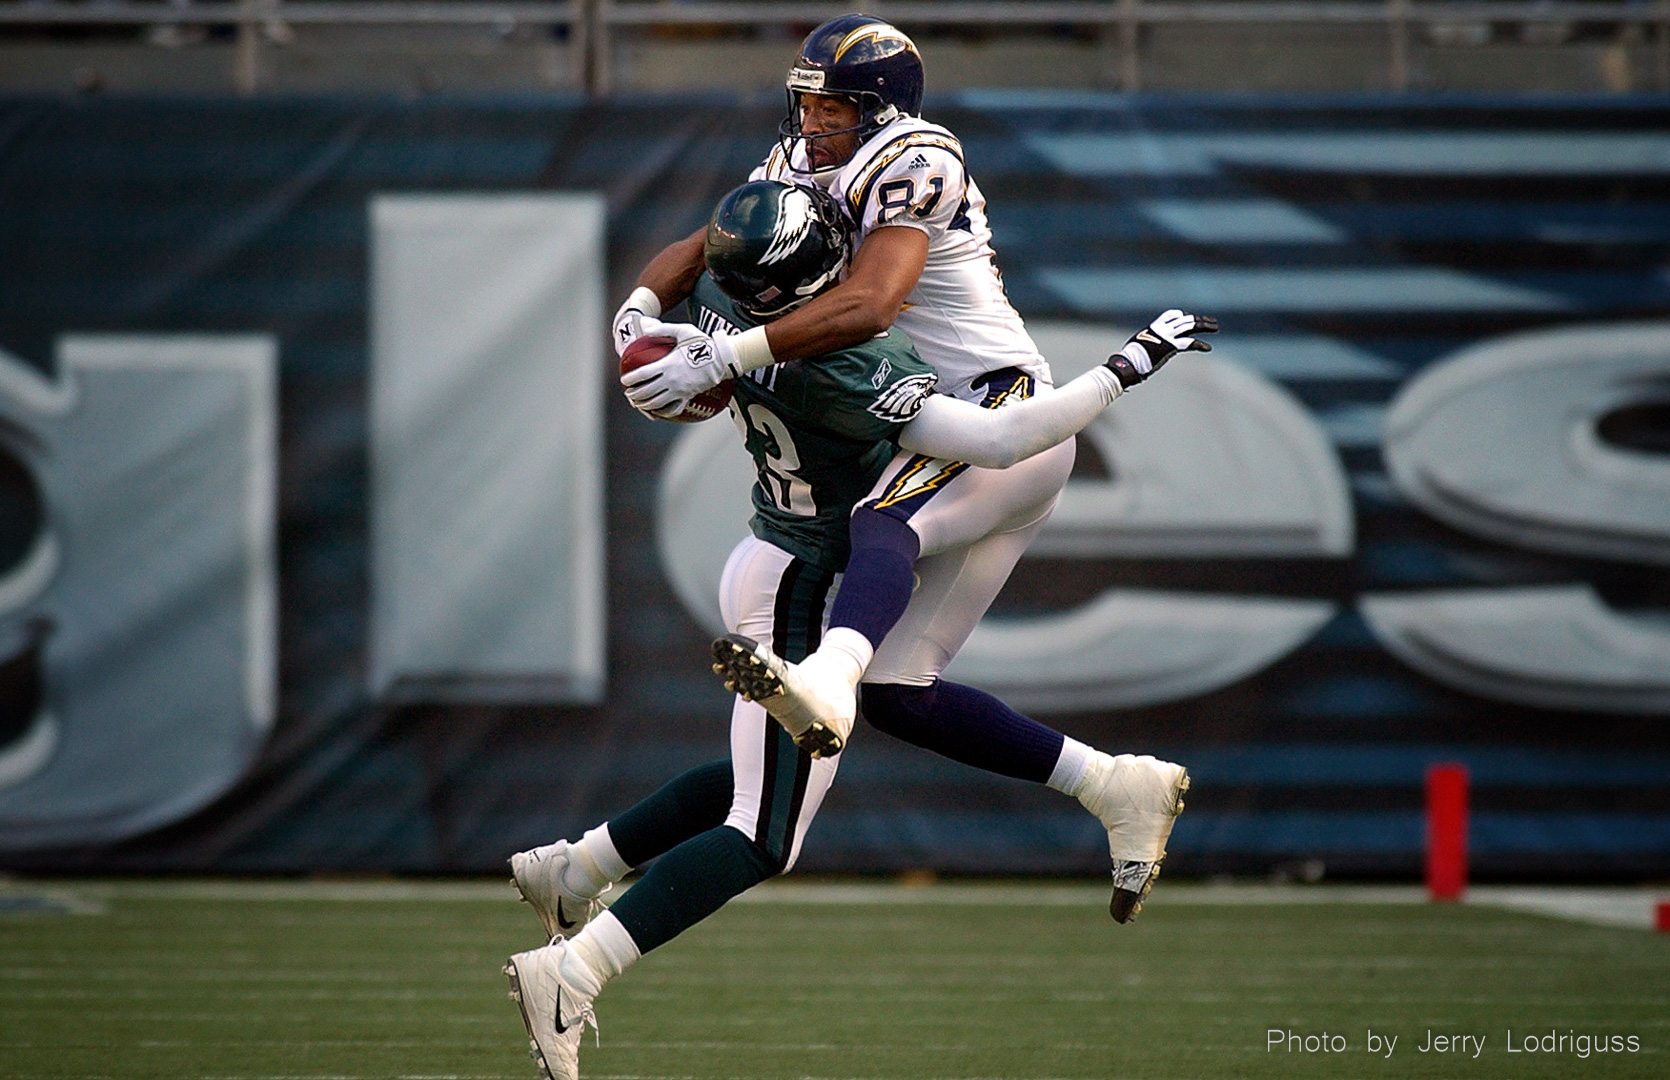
(704, 406)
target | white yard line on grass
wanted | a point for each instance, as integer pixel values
(1052, 895)
(36, 900)
(1630, 907)
(377, 890)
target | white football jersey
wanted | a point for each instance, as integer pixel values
(911, 174)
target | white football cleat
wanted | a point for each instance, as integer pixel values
(537, 874)
(815, 704)
(1137, 799)
(554, 1014)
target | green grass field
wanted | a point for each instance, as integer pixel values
(306, 983)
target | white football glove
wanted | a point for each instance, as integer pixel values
(1162, 339)
(663, 387)
(629, 324)
(699, 362)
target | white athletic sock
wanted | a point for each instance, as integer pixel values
(846, 651)
(598, 953)
(593, 864)
(1068, 775)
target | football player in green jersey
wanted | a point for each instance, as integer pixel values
(820, 435)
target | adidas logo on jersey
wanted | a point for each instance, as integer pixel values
(920, 163)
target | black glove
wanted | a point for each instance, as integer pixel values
(1163, 338)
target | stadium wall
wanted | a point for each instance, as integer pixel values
(264, 613)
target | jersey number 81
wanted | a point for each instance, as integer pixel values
(897, 195)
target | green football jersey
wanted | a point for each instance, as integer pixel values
(820, 430)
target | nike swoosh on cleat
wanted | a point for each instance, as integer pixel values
(557, 1019)
(566, 924)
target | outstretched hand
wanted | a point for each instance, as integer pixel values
(1158, 342)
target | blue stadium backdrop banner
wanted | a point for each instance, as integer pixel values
(325, 542)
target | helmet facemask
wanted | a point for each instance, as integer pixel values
(873, 115)
(774, 303)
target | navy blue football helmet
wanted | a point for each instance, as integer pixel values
(771, 246)
(858, 57)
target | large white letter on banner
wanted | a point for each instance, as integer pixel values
(1503, 440)
(486, 447)
(1556, 646)
(1209, 459)
(144, 608)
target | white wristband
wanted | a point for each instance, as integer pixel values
(645, 300)
(752, 350)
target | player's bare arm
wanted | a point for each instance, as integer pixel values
(672, 274)
(666, 281)
(885, 268)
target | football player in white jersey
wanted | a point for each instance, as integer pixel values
(936, 539)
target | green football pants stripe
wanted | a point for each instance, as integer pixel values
(797, 626)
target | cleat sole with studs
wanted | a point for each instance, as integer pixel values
(745, 671)
(1127, 903)
(742, 662)
(819, 741)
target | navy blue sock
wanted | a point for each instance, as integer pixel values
(879, 576)
(685, 806)
(966, 725)
(691, 882)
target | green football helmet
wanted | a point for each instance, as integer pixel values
(772, 246)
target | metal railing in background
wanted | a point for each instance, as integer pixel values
(274, 17)
(592, 25)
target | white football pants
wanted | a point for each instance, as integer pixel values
(774, 598)
(974, 528)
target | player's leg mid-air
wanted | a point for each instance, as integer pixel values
(898, 640)
(554, 986)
